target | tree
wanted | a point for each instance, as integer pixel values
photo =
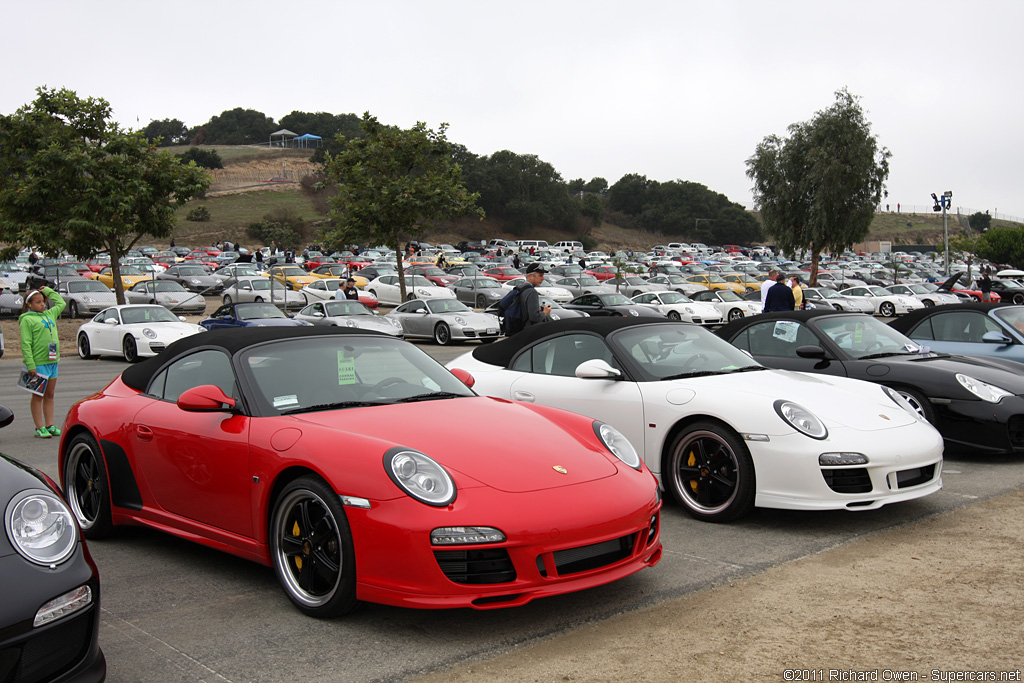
(235, 127)
(166, 132)
(1003, 245)
(393, 184)
(207, 158)
(819, 188)
(980, 221)
(72, 180)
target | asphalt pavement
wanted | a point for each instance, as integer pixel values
(176, 611)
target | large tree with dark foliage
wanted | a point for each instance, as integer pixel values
(72, 180)
(393, 184)
(819, 188)
(235, 127)
(166, 132)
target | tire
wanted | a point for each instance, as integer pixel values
(887, 309)
(735, 314)
(226, 300)
(1018, 299)
(928, 303)
(130, 348)
(975, 297)
(837, 307)
(922, 405)
(258, 299)
(674, 315)
(709, 472)
(84, 348)
(85, 481)
(73, 309)
(311, 548)
(442, 334)
(481, 302)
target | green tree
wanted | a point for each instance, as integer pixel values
(235, 127)
(819, 188)
(629, 194)
(72, 180)
(596, 185)
(393, 184)
(980, 222)
(166, 132)
(207, 158)
(1003, 245)
(523, 190)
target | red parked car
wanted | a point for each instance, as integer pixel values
(503, 273)
(434, 274)
(603, 272)
(280, 446)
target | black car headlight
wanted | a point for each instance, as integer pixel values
(618, 444)
(420, 476)
(801, 419)
(983, 390)
(41, 527)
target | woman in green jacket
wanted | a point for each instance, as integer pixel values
(40, 351)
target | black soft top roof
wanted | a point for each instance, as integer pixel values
(906, 322)
(502, 352)
(231, 341)
(730, 330)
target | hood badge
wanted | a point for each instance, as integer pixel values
(559, 469)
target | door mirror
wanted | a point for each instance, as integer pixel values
(204, 399)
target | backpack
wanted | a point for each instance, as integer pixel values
(513, 320)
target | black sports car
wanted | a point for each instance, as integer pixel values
(1009, 290)
(977, 404)
(611, 304)
(50, 611)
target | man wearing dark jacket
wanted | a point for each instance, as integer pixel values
(529, 300)
(780, 296)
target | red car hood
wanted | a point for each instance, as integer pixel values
(510, 446)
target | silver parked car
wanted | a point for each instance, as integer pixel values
(259, 289)
(85, 297)
(481, 291)
(445, 321)
(837, 301)
(170, 295)
(348, 313)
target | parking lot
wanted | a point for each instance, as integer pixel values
(175, 611)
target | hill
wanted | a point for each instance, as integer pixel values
(257, 181)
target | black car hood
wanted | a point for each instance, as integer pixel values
(1002, 373)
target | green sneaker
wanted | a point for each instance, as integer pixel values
(54, 430)
(43, 433)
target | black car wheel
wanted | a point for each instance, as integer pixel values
(481, 301)
(674, 315)
(73, 309)
(226, 300)
(918, 402)
(710, 473)
(1018, 299)
(442, 334)
(735, 314)
(84, 349)
(85, 479)
(258, 299)
(928, 303)
(311, 547)
(131, 349)
(887, 309)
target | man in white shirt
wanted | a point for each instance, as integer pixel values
(767, 284)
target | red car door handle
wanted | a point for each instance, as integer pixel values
(144, 433)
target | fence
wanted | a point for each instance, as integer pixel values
(913, 209)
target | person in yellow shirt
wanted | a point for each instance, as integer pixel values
(798, 292)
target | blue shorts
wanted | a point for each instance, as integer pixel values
(49, 370)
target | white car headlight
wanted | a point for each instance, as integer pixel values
(618, 444)
(460, 320)
(394, 323)
(419, 476)
(983, 390)
(148, 333)
(898, 399)
(801, 419)
(194, 281)
(351, 323)
(41, 527)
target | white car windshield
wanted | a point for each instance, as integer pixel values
(447, 306)
(147, 314)
(678, 350)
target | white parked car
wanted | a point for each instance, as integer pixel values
(168, 294)
(553, 292)
(722, 432)
(386, 290)
(676, 306)
(730, 304)
(926, 295)
(258, 289)
(132, 331)
(886, 304)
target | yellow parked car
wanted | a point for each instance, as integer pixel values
(129, 276)
(713, 282)
(294, 277)
(748, 282)
(330, 270)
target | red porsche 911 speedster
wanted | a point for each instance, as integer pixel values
(360, 469)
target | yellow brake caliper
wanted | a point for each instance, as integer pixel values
(691, 461)
(295, 532)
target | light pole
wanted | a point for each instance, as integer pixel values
(941, 204)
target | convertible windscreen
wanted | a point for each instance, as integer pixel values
(863, 337)
(322, 373)
(673, 351)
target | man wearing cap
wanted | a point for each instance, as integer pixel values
(768, 284)
(529, 300)
(349, 291)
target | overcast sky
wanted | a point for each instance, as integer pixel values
(670, 90)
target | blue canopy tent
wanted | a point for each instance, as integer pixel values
(308, 140)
